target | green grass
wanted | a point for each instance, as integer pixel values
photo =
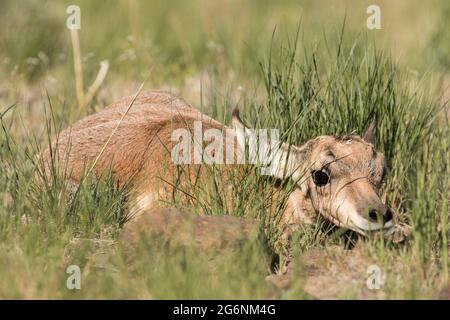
(327, 79)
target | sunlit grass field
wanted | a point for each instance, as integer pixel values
(305, 67)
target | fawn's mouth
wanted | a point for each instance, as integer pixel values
(392, 232)
(366, 227)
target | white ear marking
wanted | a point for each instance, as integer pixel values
(279, 159)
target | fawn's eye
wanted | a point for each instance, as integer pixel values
(320, 178)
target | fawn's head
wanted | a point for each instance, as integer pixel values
(341, 177)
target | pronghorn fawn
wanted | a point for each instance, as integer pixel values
(337, 178)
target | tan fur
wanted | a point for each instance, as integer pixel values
(139, 154)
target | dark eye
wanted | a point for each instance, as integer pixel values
(320, 178)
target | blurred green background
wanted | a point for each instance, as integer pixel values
(172, 43)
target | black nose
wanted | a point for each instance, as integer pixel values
(375, 216)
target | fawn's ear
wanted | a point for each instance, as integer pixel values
(281, 160)
(369, 136)
(236, 119)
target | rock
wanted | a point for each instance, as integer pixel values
(398, 234)
(179, 227)
(444, 294)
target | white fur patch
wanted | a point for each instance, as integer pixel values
(143, 202)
